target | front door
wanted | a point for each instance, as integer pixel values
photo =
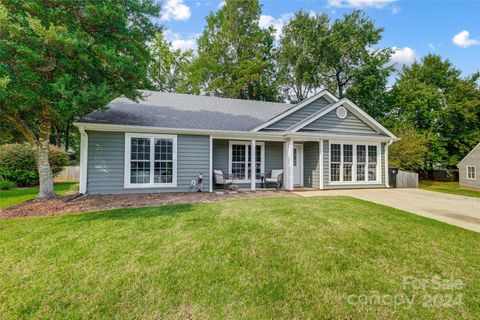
(298, 164)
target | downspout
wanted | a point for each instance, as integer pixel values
(83, 159)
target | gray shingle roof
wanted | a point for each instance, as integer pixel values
(184, 111)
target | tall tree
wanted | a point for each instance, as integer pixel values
(168, 68)
(235, 56)
(300, 56)
(61, 58)
(315, 54)
(432, 97)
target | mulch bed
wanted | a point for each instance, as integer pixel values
(75, 204)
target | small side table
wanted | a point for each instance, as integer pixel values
(262, 179)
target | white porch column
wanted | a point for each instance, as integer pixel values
(387, 183)
(253, 167)
(210, 174)
(320, 149)
(83, 159)
(289, 181)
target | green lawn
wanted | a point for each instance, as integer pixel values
(448, 187)
(264, 258)
(12, 197)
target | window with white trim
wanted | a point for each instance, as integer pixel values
(354, 163)
(150, 160)
(240, 160)
(471, 172)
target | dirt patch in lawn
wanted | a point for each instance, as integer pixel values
(75, 204)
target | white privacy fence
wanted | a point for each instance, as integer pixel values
(71, 173)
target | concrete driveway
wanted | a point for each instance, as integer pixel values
(457, 210)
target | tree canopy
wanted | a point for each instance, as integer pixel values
(60, 59)
(235, 56)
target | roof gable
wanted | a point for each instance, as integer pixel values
(332, 122)
(298, 115)
(475, 149)
(324, 94)
(351, 107)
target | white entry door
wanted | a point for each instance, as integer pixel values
(298, 164)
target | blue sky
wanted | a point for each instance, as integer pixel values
(414, 28)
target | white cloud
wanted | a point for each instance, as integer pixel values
(221, 4)
(403, 57)
(267, 21)
(175, 10)
(182, 43)
(431, 46)
(359, 3)
(463, 40)
(395, 9)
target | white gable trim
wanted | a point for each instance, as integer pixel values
(322, 94)
(352, 108)
(468, 154)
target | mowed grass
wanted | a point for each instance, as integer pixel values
(264, 258)
(16, 196)
(448, 187)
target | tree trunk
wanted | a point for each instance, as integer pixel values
(46, 190)
(44, 172)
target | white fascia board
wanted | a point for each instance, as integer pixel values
(226, 134)
(324, 93)
(471, 151)
(216, 134)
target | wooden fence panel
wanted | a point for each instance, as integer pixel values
(71, 173)
(407, 179)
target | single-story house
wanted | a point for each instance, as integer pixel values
(467, 169)
(162, 143)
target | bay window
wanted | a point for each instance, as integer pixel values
(354, 163)
(240, 155)
(150, 160)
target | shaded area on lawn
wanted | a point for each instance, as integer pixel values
(16, 196)
(264, 258)
(451, 187)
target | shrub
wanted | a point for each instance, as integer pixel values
(17, 163)
(5, 185)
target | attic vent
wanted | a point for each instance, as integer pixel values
(341, 112)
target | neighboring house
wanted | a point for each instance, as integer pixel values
(161, 144)
(467, 169)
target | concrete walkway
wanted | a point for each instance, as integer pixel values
(453, 209)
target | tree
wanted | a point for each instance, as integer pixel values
(235, 56)
(409, 152)
(169, 67)
(349, 54)
(300, 59)
(315, 54)
(433, 98)
(60, 59)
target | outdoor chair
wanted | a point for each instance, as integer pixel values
(222, 179)
(274, 177)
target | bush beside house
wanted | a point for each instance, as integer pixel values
(18, 165)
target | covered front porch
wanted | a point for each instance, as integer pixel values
(299, 163)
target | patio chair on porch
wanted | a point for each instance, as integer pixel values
(221, 179)
(275, 177)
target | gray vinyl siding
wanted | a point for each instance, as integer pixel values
(473, 159)
(326, 171)
(106, 163)
(299, 115)
(311, 164)
(331, 122)
(273, 155)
